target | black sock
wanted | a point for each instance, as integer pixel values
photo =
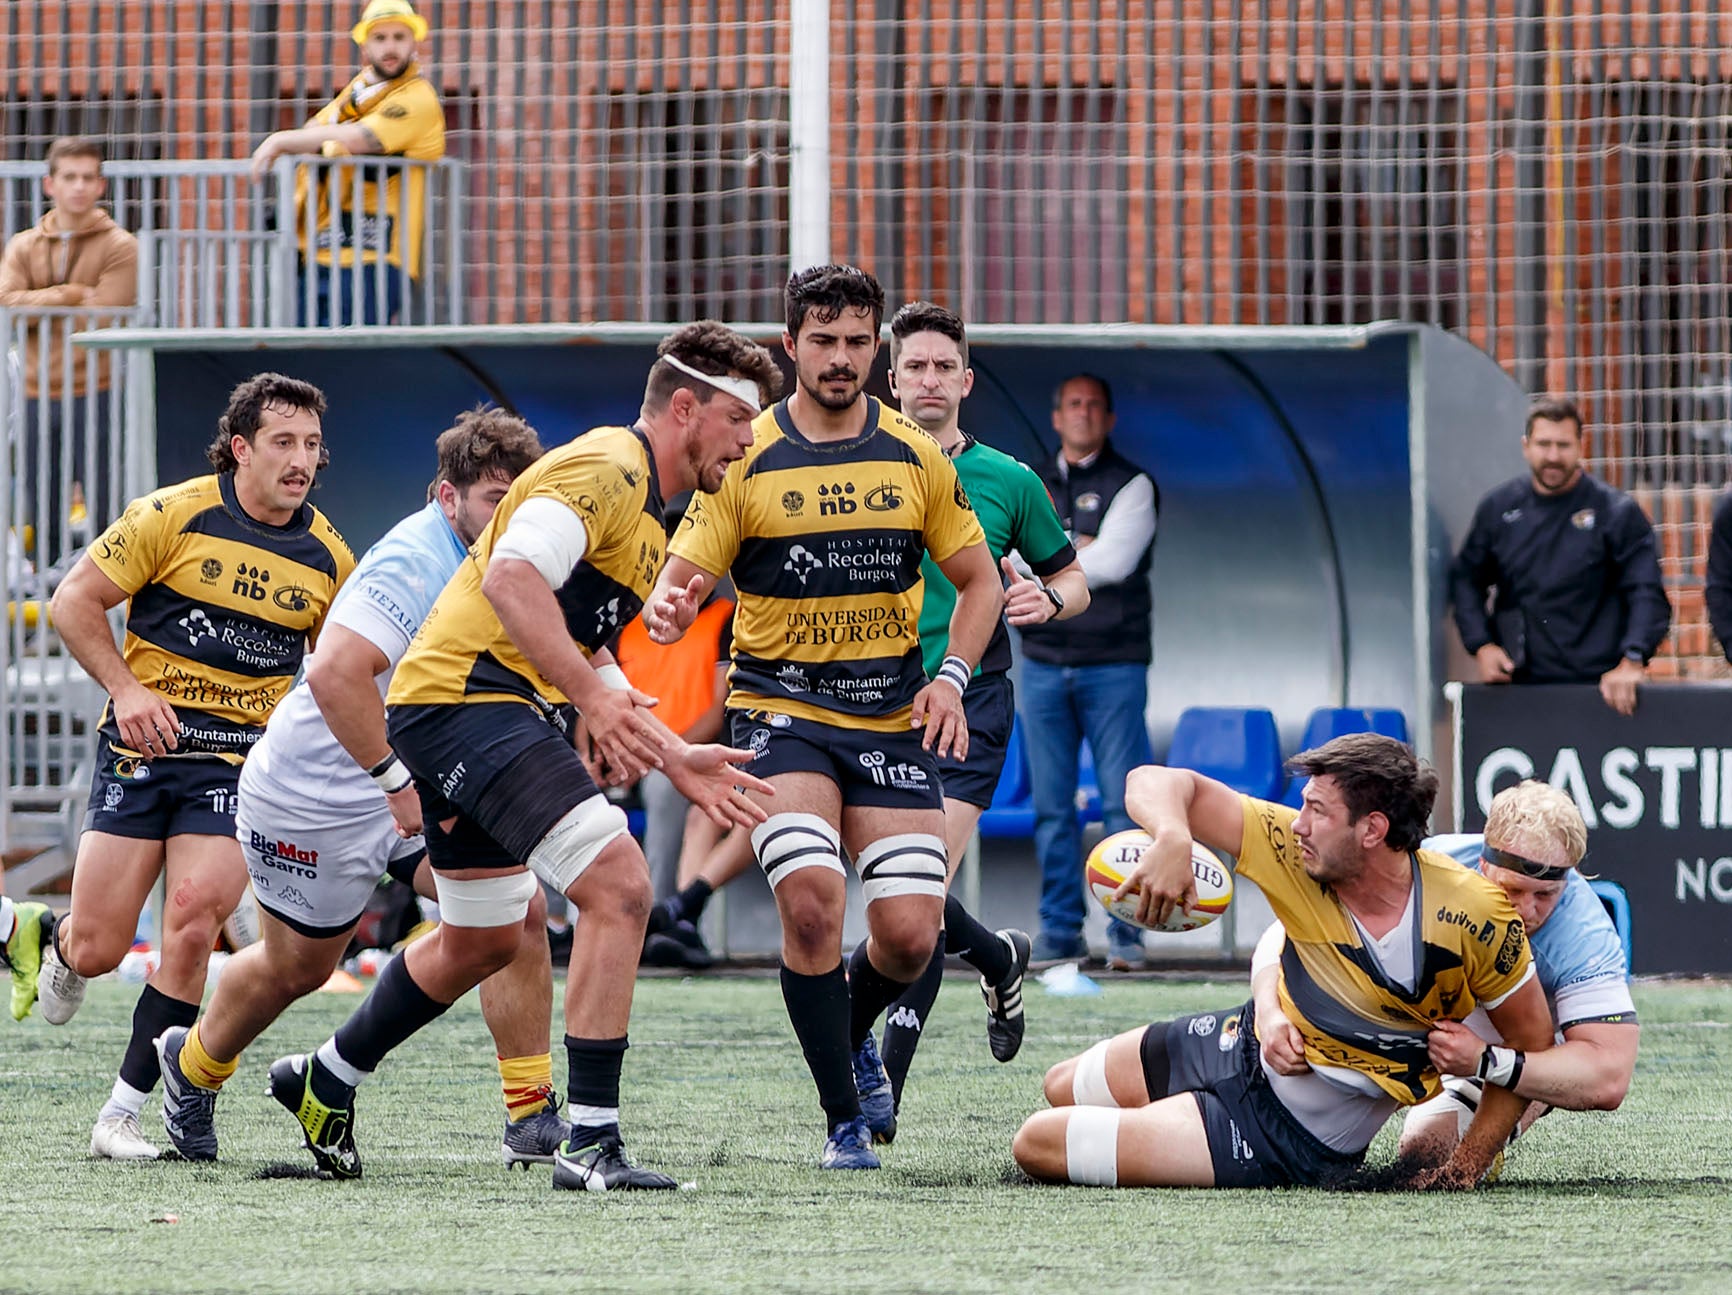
(155, 1013)
(396, 1009)
(818, 1008)
(688, 905)
(661, 916)
(592, 1069)
(907, 1019)
(870, 991)
(973, 943)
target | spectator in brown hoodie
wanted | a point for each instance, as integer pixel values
(75, 256)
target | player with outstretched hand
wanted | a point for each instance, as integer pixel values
(479, 711)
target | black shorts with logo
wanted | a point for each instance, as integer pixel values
(152, 800)
(1254, 1141)
(504, 770)
(889, 770)
(990, 705)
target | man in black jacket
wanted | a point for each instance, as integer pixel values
(1574, 564)
(1087, 677)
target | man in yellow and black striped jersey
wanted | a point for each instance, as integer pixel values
(227, 579)
(479, 713)
(823, 526)
(1383, 941)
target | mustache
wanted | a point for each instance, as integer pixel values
(837, 375)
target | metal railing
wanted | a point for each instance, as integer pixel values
(219, 250)
(67, 471)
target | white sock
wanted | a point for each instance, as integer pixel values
(332, 1060)
(8, 919)
(591, 1116)
(124, 1100)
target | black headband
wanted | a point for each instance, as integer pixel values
(1527, 867)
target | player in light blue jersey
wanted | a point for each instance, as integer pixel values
(1534, 839)
(326, 810)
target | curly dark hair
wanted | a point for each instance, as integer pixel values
(246, 413)
(1376, 774)
(710, 347)
(484, 442)
(927, 317)
(825, 291)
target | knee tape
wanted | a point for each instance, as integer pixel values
(914, 863)
(486, 902)
(572, 844)
(1088, 1082)
(785, 843)
(1091, 1147)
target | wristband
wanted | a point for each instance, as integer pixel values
(955, 672)
(612, 676)
(390, 775)
(1502, 1066)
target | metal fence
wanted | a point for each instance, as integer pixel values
(1550, 180)
(218, 249)
(68, 468)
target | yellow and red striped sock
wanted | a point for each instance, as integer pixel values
(202, 1068)
(527, 1083)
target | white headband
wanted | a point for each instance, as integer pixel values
(743, 388)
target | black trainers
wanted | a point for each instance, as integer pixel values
(535, 1139)
(1004, 1019)
(601, 1166)
(188, 1111)
(328, 1130)
(678, 945)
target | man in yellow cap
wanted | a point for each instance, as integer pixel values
(389, 110)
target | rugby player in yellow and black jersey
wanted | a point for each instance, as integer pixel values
(227, 579)
(823, 527)
(478, 712)
(1383, 940)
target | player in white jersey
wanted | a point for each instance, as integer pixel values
(1534, 839)
(322, 817)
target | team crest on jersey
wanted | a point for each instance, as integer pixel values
(884, 498)
(395, 111)
(1087, 502)
(210, 571)
(792, 502)
(1584, 520)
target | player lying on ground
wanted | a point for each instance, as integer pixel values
(1383, 940)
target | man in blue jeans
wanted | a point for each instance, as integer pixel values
(1087, 677)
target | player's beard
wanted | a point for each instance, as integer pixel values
(384, 74)
(835, 404)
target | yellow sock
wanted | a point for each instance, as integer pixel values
(202, 1068)
(527, 1082)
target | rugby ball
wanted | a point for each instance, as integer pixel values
(1116, 856)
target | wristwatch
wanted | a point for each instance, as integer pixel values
(1054, 597)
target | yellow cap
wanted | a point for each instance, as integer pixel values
(378, 11)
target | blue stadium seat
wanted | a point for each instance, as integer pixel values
(1389, 722)
(1236, 745)
(1011, 813)
(1618, 909)
(1328, 722)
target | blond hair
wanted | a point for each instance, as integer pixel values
(1533, 812)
